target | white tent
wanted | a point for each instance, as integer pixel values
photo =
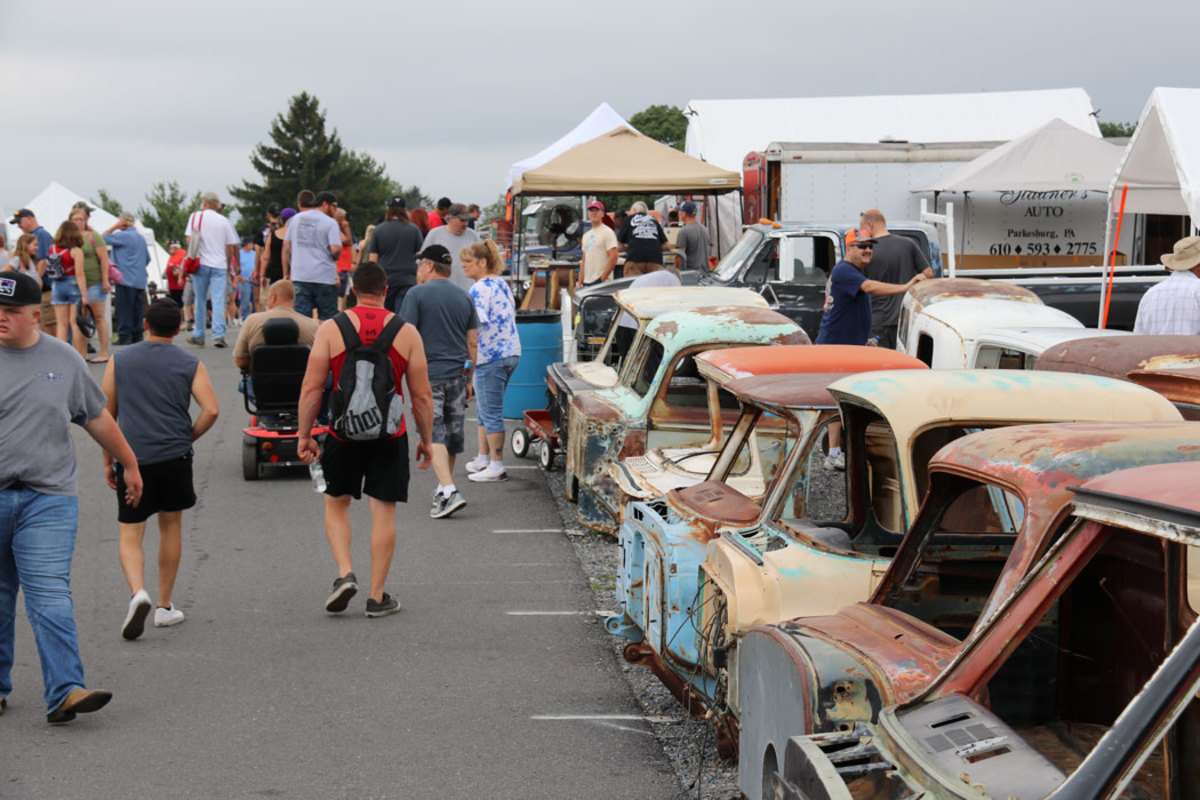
(599, 122)
(1161, 164)
(1055, 156)
(53, 205)
(723, 132)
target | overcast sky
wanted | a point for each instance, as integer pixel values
(448, 95)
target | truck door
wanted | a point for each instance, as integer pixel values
(798, 285)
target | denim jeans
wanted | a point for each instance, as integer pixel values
(245, 299)
(210, 284)
(321, 296)
(130, 312)
(37, 540)
(491, 379)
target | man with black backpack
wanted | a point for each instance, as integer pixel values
(367, 447)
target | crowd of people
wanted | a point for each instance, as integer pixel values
(419, 297)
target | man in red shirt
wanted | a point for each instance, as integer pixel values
(437, 217)
(379, 467)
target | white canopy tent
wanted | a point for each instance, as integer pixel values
(1057, 155)
(1161, 164)
(602, 120)
(53, 205)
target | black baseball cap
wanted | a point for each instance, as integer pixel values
(435, 252)
(396, 201)
(20, 215)
(274, 209)
(18, 289)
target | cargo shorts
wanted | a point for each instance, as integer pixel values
(449, 412)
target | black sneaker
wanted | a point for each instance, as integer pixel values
(388, 605)
(444, 506)
(343, 589)
(79, 701)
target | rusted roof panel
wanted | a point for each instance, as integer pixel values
(927, 293)
(1168, 486)
(651, 301)
(734, 324)
(803, 390)
(1117, 356)
(1177, 384)
(913, 399)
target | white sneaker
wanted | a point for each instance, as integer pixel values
(135, 617)
(837, 462)
(166, 617)
(477, 465)
(490, 474)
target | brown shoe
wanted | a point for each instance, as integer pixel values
(79, 701)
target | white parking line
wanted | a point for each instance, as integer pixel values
(528, 530)
(598, 613)
(598, 718)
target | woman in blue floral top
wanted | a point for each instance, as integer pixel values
(499, 351)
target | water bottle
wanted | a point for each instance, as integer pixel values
(318, 477)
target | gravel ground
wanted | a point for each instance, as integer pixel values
(689, 743)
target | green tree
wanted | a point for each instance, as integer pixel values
(108, 202)
(167, 210)
(303, 154)
(665, 124)
(1110, 130)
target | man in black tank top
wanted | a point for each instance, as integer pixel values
(150, 386)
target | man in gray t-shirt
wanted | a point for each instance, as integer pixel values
(310, 253)
(449, 325)
(692, 240)
(46, 387)
(454, 236)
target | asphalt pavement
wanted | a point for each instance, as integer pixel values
(496, 680)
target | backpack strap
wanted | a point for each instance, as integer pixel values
(389, 333)
(349, 336)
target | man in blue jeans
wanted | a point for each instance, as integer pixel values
(310, 254)
(218, 247)
(130, 255)
(46, 387)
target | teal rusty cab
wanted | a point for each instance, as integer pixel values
(636, 308)
(660, 401)
(820, 540)
(955, 568)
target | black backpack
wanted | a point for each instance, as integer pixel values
(365, 405)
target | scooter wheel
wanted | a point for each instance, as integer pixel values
(250, 466)
(519, 442)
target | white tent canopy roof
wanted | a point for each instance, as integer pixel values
(1161, 164)
(722, 132)
(53, 205)
(1055, 156)
(600, 121)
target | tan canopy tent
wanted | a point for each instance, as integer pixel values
(624, 161)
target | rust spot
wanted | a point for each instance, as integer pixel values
(593, 408)
(929, 292)
(1117, 356)
(667, 329)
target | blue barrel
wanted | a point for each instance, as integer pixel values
(540, 331)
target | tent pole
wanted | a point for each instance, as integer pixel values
(1112, 269)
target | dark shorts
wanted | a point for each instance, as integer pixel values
(449, 412)
(166, 486)
(377, 469)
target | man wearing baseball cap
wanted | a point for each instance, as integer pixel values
(599, 249)
(27, 222)
(445, 316)
(46, 387)
(454, 236)
(1173, 305)
(692, 239)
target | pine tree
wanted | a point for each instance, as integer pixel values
(168, 210)
(303, 154)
